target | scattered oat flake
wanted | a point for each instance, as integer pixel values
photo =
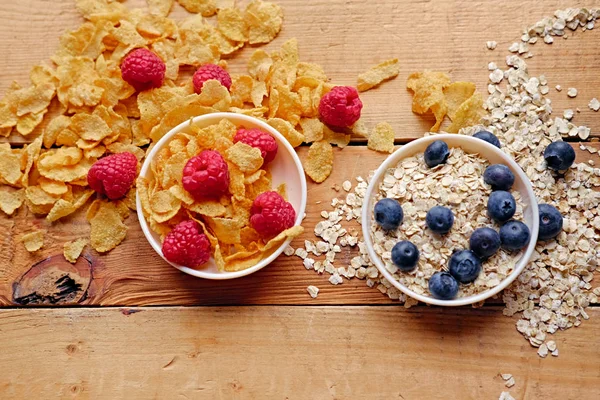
(33, 241)
(543, 350)
(491, 45)
(594, 104)
(510, 382)
(505, 396)
(347, 185)
(572, 92)
(568, 114)
(313, 291)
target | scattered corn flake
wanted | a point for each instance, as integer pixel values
(468, 114)
(11, 199)
(456, 94)
(231, 23)
(376, 75)
(33, 241)
(107, 227)
(382, 138)
(287, 130)
(206, 8)
(264, 20)
(72, 250)
(318, 163)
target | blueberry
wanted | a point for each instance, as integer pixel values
(405, 255)
(436, 153)
(443, 286)
(439, 219)
(464, 266)
(514, 235)
(551, 222)
(559, 155)
(488, 137)
(499, 177)
(501, 206)
(388, 214)
(484, 242)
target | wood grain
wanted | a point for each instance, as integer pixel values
(286, 353)
(133, 274)
(347, 37)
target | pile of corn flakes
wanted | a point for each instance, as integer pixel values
(89, 111)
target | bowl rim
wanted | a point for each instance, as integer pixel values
(400, 154)
(234, 117)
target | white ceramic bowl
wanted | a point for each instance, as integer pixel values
(285, 168)
(470, 145)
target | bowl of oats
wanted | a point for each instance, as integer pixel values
(450, 219)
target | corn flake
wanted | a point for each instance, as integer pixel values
(456, 94)
(107, 227)
(382, 138)
(468, 114)
(33, 241)
(73, 249)
(376, 75)
(11, 199)
(247, 158)
(319, 161)
(264, 20)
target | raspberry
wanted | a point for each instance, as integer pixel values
(210, 71)
(186, 245)
(340, 107)
(113, 175)
(271, 214)
(259, 139)
(206, 175)
(143, 69)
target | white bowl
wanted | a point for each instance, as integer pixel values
(470, 145)
(285, 168)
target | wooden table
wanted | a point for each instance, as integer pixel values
(143, 330)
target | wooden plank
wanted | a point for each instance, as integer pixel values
(287, 352)
(347, 37)
(133, 274)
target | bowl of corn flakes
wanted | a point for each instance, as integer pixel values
(220, 196)
(432, 224)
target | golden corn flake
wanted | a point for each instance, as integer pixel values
(107, 227)
(382, 138)
(204, 7)
(90, 127)
(72, 250)
(264, 20)
(231, 23)
(226, 230)
(247, 158)
(428, 89)
(386, 70)
(11, 199)
(278, 240)
(360, 128)
(10, 166)
(338, 139)
(287, 130)
(259, 65)
(312, 128)
(61, 209)
(33, 241)
(51, 187)
(319, 161)
(468, 114)
(439, 111)
(34, 99)
(208, 208)
(456, 94)
(27, 124)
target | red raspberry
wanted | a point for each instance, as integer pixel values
(186, 245)
(259, 139)
(206, 175)
(340, 107)
(113, 175)
(210, 71)
(143, 69)
(271, 214)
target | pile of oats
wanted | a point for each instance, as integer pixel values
(555, 288)
(458, 184)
